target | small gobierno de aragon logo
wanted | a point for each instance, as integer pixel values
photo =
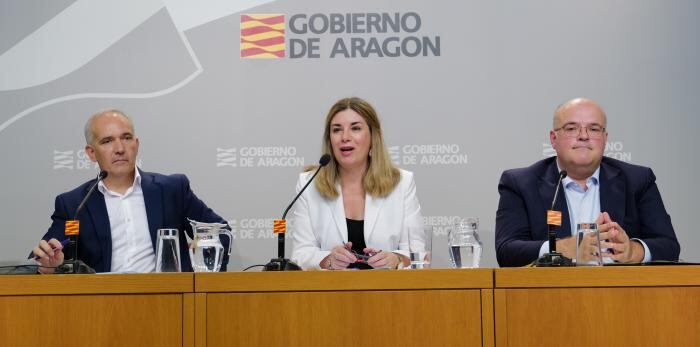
(262, 36)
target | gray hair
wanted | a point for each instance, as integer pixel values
(90, 135)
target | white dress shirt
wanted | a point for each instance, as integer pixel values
(132, 248)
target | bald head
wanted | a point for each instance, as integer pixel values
(574, 103)
(579, 137)
(90, 132)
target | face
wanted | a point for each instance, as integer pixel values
(350, 139)
(115, 146)
(581, 152)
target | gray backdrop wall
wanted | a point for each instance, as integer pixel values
(465, 90)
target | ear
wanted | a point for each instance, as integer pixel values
(552, 138)
(90, 152)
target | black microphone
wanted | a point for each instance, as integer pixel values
(554, 258)
(554, 217)
(562, 175)
(280, 263)
(73, 230)
(325, 159)
(102, 175)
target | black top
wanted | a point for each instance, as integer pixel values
(356, 234)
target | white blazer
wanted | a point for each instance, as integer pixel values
(319, 224)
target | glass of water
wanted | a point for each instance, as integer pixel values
(420, 245)
(588, 245)
(464, 245)
(167, 251)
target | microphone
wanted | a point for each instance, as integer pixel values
(562, 175)
(554, 217)
(554, 258)
(102, 175)
(325, 159)
(280, 227)
(72, 230)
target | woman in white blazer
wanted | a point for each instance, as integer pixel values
(360, 206)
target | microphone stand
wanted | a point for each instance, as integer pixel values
(281, 263)
(75, 265)
(280, 228)
(554, 258)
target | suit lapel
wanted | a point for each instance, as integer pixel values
(97, 211)
(153, 199)
(372, 208)
(612, 192)
(547, 188)
(338, 213)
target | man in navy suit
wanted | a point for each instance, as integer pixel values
(621, 198)
(118, 224)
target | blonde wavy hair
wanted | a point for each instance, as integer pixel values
(381, 176)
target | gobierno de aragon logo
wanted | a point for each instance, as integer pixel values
(337, 35)
(262, 36)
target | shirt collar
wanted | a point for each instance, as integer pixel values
(137, 184)
(593, 180)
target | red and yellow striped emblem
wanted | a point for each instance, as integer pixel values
(280, 226)
(554, 217)
(262, 36)
(72, 227)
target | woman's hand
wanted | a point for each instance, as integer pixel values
(383, 259)
(340, 258)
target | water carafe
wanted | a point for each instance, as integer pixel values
(464, 244)
(206, 250)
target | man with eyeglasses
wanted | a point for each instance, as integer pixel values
(621, 198)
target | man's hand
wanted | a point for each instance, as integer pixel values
(616, 244)
(49, 254)
(567, 247)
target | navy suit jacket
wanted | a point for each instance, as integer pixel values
(169, 202)
(627, 192)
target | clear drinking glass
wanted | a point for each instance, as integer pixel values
(588, 245)
(464, 245)
(420, 245)
(167, 251)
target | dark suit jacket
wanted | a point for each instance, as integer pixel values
(169, 202)
(627, 192)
